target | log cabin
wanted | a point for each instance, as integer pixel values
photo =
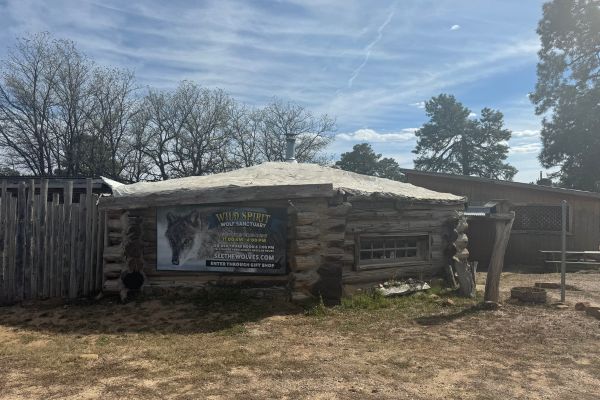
(306, 229)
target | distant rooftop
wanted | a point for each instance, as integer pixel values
(529, 186)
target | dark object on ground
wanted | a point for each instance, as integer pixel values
(490, 305)
(581, 306)
(133, 280)
(529, 294)
(593, 311)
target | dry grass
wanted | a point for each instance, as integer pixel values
(226, 346)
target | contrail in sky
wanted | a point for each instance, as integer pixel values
(370, 46)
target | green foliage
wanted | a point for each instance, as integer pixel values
(454, 143)
(7, 171)
(372, 300)
(567, 92)
(363, 160)
(317, 310)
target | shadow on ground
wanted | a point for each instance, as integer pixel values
(201, 313)
(440, 319)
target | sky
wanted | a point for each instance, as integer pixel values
(369, 64)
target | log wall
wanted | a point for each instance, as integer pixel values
(320, 246)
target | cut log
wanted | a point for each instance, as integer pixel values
(492, 284)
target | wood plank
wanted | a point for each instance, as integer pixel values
(88, 243)
(59, 245)
(11, 236)
(3, 242)
(217, 195)
(100, 249)
(20, 242)
(92, 247)
(84, 278)
(49, 248)
(74, 255)
(30, 275)
(68, 263)
(43, 260)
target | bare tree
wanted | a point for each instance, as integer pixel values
(245, 127)
(201, 147)
(70, 120)
(61, 114)
(27, 101)
(113, 107)
(313, 134)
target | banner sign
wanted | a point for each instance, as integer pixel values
(232, 240)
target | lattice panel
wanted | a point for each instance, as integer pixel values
(539, 218)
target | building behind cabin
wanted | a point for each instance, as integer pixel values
(537, 224)
(342, 228)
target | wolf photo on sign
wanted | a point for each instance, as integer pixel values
(223, 239)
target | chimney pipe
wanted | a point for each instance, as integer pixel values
(291, 148)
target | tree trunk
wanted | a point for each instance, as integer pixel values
(492, 284)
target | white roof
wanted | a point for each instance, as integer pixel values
(283, 173)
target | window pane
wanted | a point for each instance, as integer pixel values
(392, 250)
(365, 244)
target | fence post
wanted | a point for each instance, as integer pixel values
(20, 242)
(88, 275)
(67, 208)
(43, 261)
(3, 249)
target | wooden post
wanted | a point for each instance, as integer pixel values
(563, 252)
(30, 274)
(3, 249)
(74, 254)
(43, 262)
(59, 235)
(11, 239)
(20, 242)
(89, 210)
(99, 250)
(68, 262)
(51, 237)
(504, 224)
(83, 280)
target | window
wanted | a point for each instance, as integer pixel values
(391, 250)
(539, 218)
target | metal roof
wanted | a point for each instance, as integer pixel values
(521, 185)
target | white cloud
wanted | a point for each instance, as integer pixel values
(370, 135)
(418, 104)
(472, 115)
(526, 148)
(455, 27)
(526, 133)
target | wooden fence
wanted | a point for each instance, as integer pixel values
(49, 248)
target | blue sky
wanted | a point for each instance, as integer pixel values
(370, 64)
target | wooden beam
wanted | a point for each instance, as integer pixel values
(492, 283)
(217, 195)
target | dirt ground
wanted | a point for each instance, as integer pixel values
(223, 347)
